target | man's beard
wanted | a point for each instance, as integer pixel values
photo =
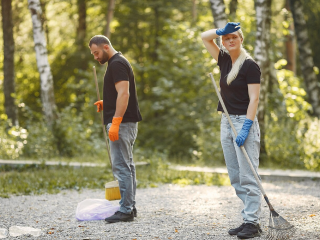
(105, 58)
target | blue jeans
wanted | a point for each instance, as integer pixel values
(122, 164)
(240, 174)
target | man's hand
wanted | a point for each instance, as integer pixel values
(114, 129)
(243, 134)
(229, 28)
(99, 105)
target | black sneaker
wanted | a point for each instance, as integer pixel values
(134, 210)
(234, 231)
(249, 231)
(120, 217)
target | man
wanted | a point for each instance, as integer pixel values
(121, 116)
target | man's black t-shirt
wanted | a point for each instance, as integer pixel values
(119, 69)
(235, 96)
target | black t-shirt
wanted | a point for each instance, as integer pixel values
(119, 69)
(235, 96)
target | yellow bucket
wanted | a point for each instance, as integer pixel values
(112, 190)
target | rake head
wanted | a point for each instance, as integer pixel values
(279, 228)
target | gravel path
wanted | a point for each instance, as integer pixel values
(166, 212)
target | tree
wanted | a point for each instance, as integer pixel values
(305, 56)
(111, 7)
(81, 37)
(262, 56)
(46, 80)
(219, 15)
(233, 5)
(290, 42)
(8, 62)
(194, 11)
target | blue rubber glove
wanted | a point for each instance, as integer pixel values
(243, 134)
(229, 28)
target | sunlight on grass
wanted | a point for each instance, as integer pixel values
(40, 179)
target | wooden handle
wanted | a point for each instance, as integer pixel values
(101, 115)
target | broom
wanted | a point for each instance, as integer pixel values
(279, 228)
(112, 188)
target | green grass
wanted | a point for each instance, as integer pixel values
(40, 179)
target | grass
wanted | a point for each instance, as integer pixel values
(40, 179)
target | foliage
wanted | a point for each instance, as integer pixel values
(291, 137)
(12, 142)
(171, 65)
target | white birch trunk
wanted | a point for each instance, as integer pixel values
(219, 15)
(305, 56)
(46, 80)
(262, 57)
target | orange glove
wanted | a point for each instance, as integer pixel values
(99, 105)
(114, 129)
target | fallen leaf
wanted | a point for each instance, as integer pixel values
(176, 230)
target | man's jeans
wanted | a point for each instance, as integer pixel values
(122, 164)
(240, 174)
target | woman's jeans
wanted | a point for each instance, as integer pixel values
(122, 164)
(240, 174)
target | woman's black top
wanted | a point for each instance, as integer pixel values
(235, 96)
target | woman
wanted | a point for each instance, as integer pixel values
(240, 87)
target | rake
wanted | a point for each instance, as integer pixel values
(279, 228)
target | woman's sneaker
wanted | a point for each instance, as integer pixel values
(249, 231)
(234, 231)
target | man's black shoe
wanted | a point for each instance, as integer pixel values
(234, 231)
(249, 231)
(120, 217)
(134, 210)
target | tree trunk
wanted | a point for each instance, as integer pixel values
(109, 17)
(219, 15)
(290, 44)
(81, 29)
(46, 81)
(305, 56)
(81, 34)
(262, 56)
(233, 5)
(194, 11)
(44, 20)
(8, 62)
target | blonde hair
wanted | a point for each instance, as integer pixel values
(238, 63)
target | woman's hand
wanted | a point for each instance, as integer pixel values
(229, 28)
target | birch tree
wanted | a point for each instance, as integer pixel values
(219, 15)
(8, 62)
(262, 57)
(46, 80)
(290, 42)
(305, 56)
(111, 7)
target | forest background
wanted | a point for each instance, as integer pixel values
(52, 116)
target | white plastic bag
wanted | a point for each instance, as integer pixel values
(95, 209)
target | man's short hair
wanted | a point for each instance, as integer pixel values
(98, 40)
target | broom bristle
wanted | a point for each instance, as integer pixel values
(279, 228)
